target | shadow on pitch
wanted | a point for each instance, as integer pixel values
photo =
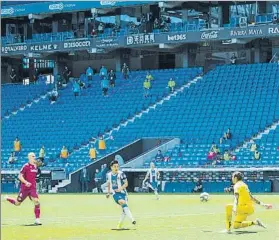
(244, 232)
(123, 229)
(30, 225)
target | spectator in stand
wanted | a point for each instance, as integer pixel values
(156, 23)
(125, 71)
(227, 135)
(13, 77)
(168, 21)
(89, 75)
(159, 156)
(17, 146)
(98, 180)
(92, 153)
(104, 173)
(84, 179)
(171, 85)
(112, 78)
(66, 74)
(76, 88)
(102, 144)
(227, 155)
(12, 158)
(214, 148)
(42, 153)
(257, 155)
(149, 77)
(64, 154)
(253, 147)
(105, 86)
(59, 81)
(115, 29)
(93, 32)
(101, 28)
(233, 59)
(81, 81)
(103, 72)
(146, 87)
(53, 96)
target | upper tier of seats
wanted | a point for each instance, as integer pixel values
(73, 121)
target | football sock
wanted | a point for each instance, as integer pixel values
(122, 218)
(11, 200)
(37, 211)
(229, 209)
(127, 212)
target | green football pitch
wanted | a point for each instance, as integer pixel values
(173, 217)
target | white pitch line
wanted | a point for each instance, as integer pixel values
(110, 217)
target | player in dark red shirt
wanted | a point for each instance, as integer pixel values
(27, 177)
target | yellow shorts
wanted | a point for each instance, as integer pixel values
(243, 212)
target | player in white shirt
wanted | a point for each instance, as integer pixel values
(117, 184)
(153, 175)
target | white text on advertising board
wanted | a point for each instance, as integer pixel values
(43, 47)
(273, 30)
(7, 11)
(253, 32)
(58, 6)
(177, 37)
(107, 2)
(209, 35)
(77, 44)
(8, 49)
(140, 39)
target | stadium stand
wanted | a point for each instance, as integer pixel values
(16, 95)
(73, 122)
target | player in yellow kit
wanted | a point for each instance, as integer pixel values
(243, 205)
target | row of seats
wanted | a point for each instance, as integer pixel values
(15, 95)
(73, 121)
(39, 37)
(215, 187)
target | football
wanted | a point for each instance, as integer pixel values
(204, 197)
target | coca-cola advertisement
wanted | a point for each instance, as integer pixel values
(209, 35)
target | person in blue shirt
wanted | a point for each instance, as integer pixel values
(105, 86)
(89, 75)
(153, 174)
(76, 88)
(103, 72)
(117, 184)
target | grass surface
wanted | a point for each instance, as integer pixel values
(173, 217)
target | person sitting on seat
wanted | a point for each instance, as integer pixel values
(92, 154)
(89, 75)
(53, 96)
(112, 77)
(257, 155)
(17, 146)
(146, 87)
(171, 85)
(227, 156)
(12, 158)
(105, 86)
(76, 88)
(64, 153)
(253, 147)
(149, 77)
(159, 156)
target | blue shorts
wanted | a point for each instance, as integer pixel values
(153, 185)
(120, 196)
